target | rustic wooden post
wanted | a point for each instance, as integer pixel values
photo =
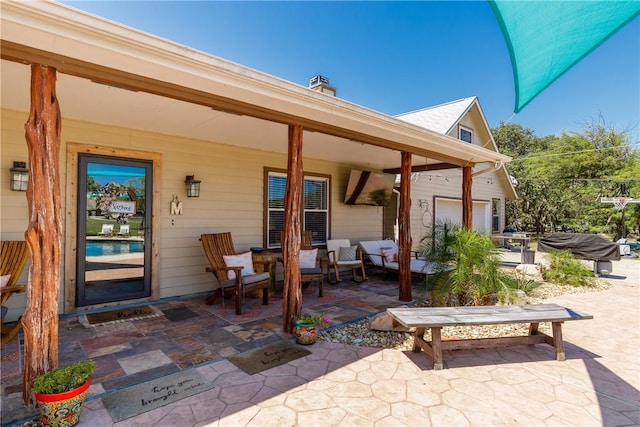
(404, 229)
(467, 200)
(44, 232)
(292, 292)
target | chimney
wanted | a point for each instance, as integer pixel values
(321, 84)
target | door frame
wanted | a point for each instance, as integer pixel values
(70, 243)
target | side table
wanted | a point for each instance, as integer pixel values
(260, 257)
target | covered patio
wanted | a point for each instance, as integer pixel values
(125, 94)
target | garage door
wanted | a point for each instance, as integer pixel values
(450, 211)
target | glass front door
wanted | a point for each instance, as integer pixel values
(114, 230)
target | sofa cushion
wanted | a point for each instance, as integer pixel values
(241, 260)
(347, 253)
(308, 258)
(389, 255)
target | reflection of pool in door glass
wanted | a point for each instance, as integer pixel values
(113, 264)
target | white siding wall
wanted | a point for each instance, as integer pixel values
(231, 197)
(448, 184)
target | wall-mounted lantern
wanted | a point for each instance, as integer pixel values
(19, 176)
(193, 186)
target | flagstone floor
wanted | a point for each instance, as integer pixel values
(189, 334)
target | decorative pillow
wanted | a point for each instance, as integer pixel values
(347, 253)
(308, 258)
(389, 255)
(242, 260)
(4, 280)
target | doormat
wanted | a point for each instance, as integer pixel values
(179, 313)
(119, 315)
(135, 400)
(267, 357)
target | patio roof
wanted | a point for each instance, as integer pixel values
(116, 75)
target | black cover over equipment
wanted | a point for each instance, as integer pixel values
(583, 246)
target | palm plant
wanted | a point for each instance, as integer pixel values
(476, 277)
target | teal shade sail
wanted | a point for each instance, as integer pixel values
(547, 38)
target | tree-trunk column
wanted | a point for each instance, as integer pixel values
(404, 229)
(467, 200)
(292, 293)
(44, 232)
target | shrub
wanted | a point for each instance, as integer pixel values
(566, 270)
(64, 378)
(475, 277)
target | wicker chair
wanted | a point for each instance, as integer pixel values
(216, 247)
(13, 257)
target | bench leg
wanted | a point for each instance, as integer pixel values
(418, 337)
(558, 342)
(436, 345)
(434, 348)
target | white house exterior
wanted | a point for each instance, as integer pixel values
(435, 194)
(132, 100)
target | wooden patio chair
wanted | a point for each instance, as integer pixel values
(217, 246)
(306, 237)
(341, 255)
(13, 257)
(311, 268)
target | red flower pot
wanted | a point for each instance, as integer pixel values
(62, 409)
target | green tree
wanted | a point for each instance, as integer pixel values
(93, 186)
(559, 179)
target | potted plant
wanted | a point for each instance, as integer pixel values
(307, 327)
(60, 393)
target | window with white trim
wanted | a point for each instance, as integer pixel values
(314, 212)
(495, 215)
(466, 134)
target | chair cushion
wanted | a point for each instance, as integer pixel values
(389, 255)
(4, 280)
(308, 258)
(241, 260)
(347, 253)
(254, 278)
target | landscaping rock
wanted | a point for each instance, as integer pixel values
(384, 322)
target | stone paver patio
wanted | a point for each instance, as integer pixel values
(598, 384)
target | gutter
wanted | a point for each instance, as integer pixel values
(497, 165)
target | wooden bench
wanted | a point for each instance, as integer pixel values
(437, 317)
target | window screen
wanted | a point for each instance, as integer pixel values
(315, 209)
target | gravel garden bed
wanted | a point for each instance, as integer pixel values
(359, 333)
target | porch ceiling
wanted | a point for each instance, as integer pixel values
(118, 76)
(137, 110)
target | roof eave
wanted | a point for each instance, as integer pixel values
(65, 32)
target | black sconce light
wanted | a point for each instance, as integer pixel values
(193, 186)
(19, 176)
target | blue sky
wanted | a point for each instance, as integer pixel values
(396, 57)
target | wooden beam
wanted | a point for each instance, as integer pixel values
(467, 199)
(44, 232)
(121, 79)
(292, 293)
(404, 229)
(425, 168)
